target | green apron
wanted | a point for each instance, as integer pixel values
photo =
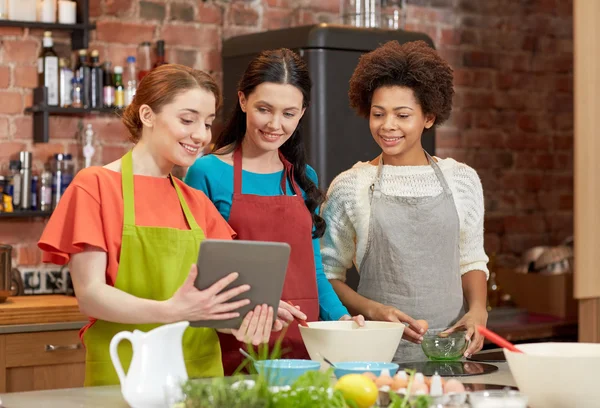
(154, 263)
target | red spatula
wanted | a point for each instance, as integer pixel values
(497, 339)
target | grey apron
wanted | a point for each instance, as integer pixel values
(412, 258)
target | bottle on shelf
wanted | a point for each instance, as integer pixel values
(65, 83)
(48, 75)
(109, 89)
(144, 60)
(88, 145)
(76, 93)
(34, 193)
(62, 177)
(160, 54)
(46, 190)
(119, 89)
(14, 183)
(130, 80)
(83, 73)
(25, 158)
(96, 79)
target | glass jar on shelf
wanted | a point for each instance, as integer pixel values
(393, 14)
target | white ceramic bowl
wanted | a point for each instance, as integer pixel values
(346, 341)
(557, 375)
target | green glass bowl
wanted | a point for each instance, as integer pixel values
(444, 348)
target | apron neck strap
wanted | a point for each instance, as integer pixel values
(288, 173)
(436, 169)
(237, 170)
(438, 173)
(128, 194)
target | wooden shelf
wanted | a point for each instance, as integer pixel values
(46, 26)
(80, 31)
(42, 112)
(24, 214)
(56, 110)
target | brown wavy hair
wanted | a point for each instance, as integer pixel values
(414, 65)
(282, 66)
(160, 87)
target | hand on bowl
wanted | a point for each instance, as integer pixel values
(469, 323)
(443, 346)
(359, 319)
(413, 332)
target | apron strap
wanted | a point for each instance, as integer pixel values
(186, 210)
(128, 194)
(237, 170)
(288, 175)
(438, 173)
(376, 186)
(127, 187)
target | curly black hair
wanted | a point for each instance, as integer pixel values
(414, 65)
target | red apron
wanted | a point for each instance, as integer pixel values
(280, 218)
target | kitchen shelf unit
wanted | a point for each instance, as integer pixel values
(41, 114)
(24, 214)
(80, 38)
(80, 31)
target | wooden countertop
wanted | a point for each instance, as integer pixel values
(40, 309)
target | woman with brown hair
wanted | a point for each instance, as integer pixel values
(260, 182)
(131, 232)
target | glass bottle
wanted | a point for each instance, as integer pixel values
(160, 54)
(144, 61)
(130, 80)
(119, 89)
(96, 78)
(82, 72)
(109, 89)
(48, 70)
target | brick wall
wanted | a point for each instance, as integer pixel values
(513, 119)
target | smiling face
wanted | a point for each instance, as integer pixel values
(182, 128)
(272, 114)
(397, 121)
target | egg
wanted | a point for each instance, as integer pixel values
(453, 385)
(419, 388)
(399, 383)
(370, 376)
(423, 324)
(384, 380)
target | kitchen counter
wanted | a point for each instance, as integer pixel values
(34, 313)
(99, 397)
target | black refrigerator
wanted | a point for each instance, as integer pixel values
(336, 138)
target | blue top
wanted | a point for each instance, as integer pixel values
(215, 177)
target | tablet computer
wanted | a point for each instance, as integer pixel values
(262, 265)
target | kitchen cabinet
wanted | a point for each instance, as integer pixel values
(41, 361)
(39, 343)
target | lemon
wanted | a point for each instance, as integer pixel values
(359, 389)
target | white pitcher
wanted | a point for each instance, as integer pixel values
(157, 364)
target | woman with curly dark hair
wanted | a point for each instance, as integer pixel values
(412, 223)
(259, 180)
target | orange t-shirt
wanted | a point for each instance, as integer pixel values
(91, 213)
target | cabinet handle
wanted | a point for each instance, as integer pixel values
(52, 347)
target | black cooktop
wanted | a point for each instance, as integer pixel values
(449, 368)
(492, 356)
